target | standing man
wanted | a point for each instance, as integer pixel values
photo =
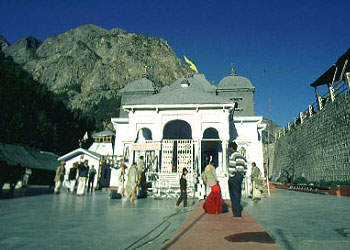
(121, 177)
(60, 172)
(83, 174)
(257, 183)
(236, 171)
(92, 173)
(27, 173)
(140, 168)
(72, 177)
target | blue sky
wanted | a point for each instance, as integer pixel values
(281, 46)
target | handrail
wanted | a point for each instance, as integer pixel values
(340, 89)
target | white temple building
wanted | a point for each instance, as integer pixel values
(186, 124)
(98, 155)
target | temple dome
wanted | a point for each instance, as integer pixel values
(233, 81)
(141, 85)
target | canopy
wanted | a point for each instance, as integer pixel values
(15, 154)
(328, 76)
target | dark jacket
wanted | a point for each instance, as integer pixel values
(83, 170)
(72, 174)
(183, 183)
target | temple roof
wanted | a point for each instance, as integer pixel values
(234, 81)
(140, 85)
(103, 133)
(194, 89)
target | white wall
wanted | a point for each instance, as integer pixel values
(92, 161)
(246, 132)
(102, 148)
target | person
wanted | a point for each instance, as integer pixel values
(140, 169)
(236, 171)
(27, 173)
(209, 177)
(131, 185)
(121, 177)
(59, 177)
(257, 184)
(92, 173)
(83, 173)
(183, 189)
(213, 203)
(72, 177)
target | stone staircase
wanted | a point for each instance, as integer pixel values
(167, 185)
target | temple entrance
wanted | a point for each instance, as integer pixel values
(177, 147)
(211, 148)
(176, 155)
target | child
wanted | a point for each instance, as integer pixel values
(183, 187)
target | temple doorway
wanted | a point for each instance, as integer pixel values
(211, 148)
(177, 147)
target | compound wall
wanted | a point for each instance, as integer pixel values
(319, 148)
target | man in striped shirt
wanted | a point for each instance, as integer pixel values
(236, 171)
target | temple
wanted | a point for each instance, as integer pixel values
(187, 124)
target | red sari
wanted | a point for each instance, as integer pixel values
(213, 203)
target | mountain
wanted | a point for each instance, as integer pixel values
(33, 116)
(88, 66)
(3, 43)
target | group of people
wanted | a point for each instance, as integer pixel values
(133, 178)
(237, 169)
(80, 174)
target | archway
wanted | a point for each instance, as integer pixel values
(143, 134)
(177, 147)
(177, 129)
(211, 148)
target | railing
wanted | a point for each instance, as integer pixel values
(339, 89)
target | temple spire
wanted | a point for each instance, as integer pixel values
(145, 72)
(233, 72)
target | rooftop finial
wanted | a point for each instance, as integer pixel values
(233, 72)
(145, 73)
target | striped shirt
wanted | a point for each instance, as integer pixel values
(237, 164)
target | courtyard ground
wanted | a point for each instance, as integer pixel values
(286, 220)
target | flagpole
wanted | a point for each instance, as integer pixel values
(268, 150)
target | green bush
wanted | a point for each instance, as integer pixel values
(300, 180)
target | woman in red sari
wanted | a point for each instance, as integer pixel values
(213, 203)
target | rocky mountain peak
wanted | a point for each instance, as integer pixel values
(88, 66)
(3, 42)
(23, 49)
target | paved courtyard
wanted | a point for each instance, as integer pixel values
(66, 221)
(293, 220)
(301, 221)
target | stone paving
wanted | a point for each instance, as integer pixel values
(66, 221)
(299, 221)
(293, 220)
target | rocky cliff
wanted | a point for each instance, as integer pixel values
(88, 66)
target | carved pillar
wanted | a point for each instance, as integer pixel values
(347, 79)
(320, 104)
(301, 117)
(331, 93)
(311, 111)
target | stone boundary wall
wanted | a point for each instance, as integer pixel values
(318, 149)
(265, 153)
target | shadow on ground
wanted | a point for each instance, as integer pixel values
(260, 237)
